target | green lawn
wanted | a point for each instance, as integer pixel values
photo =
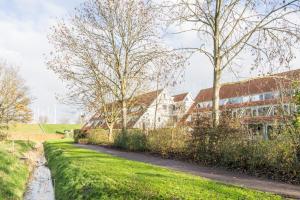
(13, 172)
(86, 174)
(59, 128)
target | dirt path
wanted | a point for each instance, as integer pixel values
(220, 175)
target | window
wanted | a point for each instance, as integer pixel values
(234, 114)
(223, 102)
(158, 119)
(286, 109)
(248, 112)
(269, 95)
(174, 107)
(254, 112)
(254, 98)
(263, 111)
(165, 107)
(235, 100)
(199, 105)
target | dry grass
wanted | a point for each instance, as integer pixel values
(35, 137)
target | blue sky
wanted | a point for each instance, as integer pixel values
(24, 26)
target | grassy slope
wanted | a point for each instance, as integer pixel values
(13, 172)
(53, 128)
(86, 174)
(35, 128)
(25, 128)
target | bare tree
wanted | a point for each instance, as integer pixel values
(262, 30)
(14, 97)
(113, 43)
(109, 112)
(165, 77)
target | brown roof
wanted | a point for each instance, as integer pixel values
(144, 101)
(180, 97)
(251, 86)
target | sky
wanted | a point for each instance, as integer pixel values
(24, 26)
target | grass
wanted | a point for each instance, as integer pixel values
(47, 128)
(25, 128)
(59, 128)
(13, 172)
(86, 174)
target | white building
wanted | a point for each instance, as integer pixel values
(156, 109)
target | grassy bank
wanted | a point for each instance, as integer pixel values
(86, 174)
(59, 128)
(25, 128)
(13, 172)
(42, 128)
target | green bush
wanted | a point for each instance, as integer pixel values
(98, 137)
(79, 134)
(132, 140)
(168, 142)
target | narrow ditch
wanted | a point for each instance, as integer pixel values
(40, 185)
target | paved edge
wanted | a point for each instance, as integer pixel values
(220, 175)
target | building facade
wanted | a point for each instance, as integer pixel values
(260, 103)
(156, 109)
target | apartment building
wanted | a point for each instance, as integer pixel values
(259, 103)
(152, 109)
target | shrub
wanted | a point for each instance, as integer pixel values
(132, 140)
(230, 145)
(79, 134)
(168, 142)
(98, 136)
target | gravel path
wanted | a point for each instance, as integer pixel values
(220, 175)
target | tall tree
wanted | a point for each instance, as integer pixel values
(264, 30)
(113, 43)
(14, 97)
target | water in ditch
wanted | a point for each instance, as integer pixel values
(40, 186)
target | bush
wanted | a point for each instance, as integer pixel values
(79, 134)
(132, 140)
(168, 142)
(98, 137)
(230, 145)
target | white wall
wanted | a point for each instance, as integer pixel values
(164, 104)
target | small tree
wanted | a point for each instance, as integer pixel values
(114, 43)
(14, 97)
(264, 30)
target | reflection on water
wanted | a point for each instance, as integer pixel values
(40, 187)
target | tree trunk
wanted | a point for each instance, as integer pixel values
(156, 107)
(124, 106)
(216, 96)
(110, 133)
(217, 66)
(124, 115)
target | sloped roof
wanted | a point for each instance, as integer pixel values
(143, 102)
(180, 97)
(251, 86)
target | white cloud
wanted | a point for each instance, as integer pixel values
(24, 43)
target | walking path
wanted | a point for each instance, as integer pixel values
(220, 175)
